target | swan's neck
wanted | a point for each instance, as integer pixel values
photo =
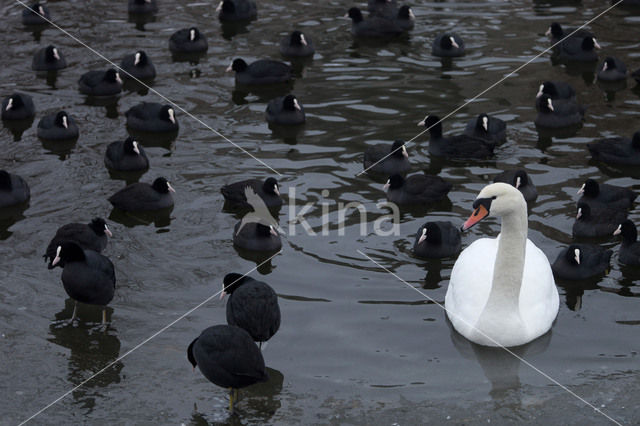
(509, 265)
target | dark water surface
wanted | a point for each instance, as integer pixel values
(356, 345)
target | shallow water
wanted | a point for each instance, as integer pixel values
(356, 345)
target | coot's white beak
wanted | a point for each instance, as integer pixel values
(423, 236)
(296, 105)
(581, 190)
(405, 154)
(276, 190)
(423, 122)
(579, 215)
(107, 231)
(273, 231)
(55, 54)
(540, 91)
(170, 187)
(548, 32)
(9, 104)
(219, 8)
(192, 35)
(618, 230)
(303, 40)
(577, 255)
(518, 182)
(485, 124)
(135, 148)
(550, 104)
(453, 42)
(595, 43)
(229, 68)
(172, 115)
(118, 79)
(136, 61)
(386, 186)
(57, 258)
(64, 122)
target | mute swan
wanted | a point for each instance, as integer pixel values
(501, 291)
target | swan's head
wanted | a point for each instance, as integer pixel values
(497, 199)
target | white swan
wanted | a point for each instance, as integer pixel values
(501, 291)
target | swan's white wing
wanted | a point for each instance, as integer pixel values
(539, 300)
(470, 283)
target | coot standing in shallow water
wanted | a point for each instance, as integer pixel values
(262, 71)
(152, 117)
(435, 240)
(89, 236)
(141, 196)
(252, 306)
(100, 83)
(126, 156)
(228, 357)
(13, 189)
(87, 276)
(18, 106)
(48, 59)
(58, 126)
(285, 110)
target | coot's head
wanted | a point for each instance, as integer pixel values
(167, 114)
(398, 150)
(238, 65)
(131, 146)
(355, 14)
(447, 42)
(573, 255)
(99, 226)
(270, 186)
(589, 188)
(431, 233)
(140, 59)
(396, 181)
(112, 76)
(162, 186)
(68, 252)
(51, 53)
(555, 30)
(297, 39)
(628, 230)
(290, 103)
(405, 12)
(62, 119)
(231, 282)
(590, 43)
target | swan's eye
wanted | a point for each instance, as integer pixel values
(494, 197)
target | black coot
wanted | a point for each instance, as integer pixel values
(297, 45)
(581, 261)
(13, 189)
(487, 127)
(268, 190)
(416, 189)
(556, 32)
(594, 193)
(89, 236)
(457, 146)
(100, 83)
(578, 49)
(519, 179)
(405, 19)
(141, 196)
(87, 276)
(142, 7)
(373, 27)
(237, 10)
(383, 8)
(596, 221)
(18, 107)
(256, 237)
(285, 110)
(228, 357)
(435, 240)
(152, 117)
(612, 69)
(188, 40)
(448, 45)
(262, 71)
(48, 59)
(387, 159)
(629, 253)
(557, 90)
(126, 156)
(252, 306)
(138, 65)
(58, 126)
(36, 14)
(557, 114)
(617, 150)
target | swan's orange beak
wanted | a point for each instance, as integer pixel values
(478, 214)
